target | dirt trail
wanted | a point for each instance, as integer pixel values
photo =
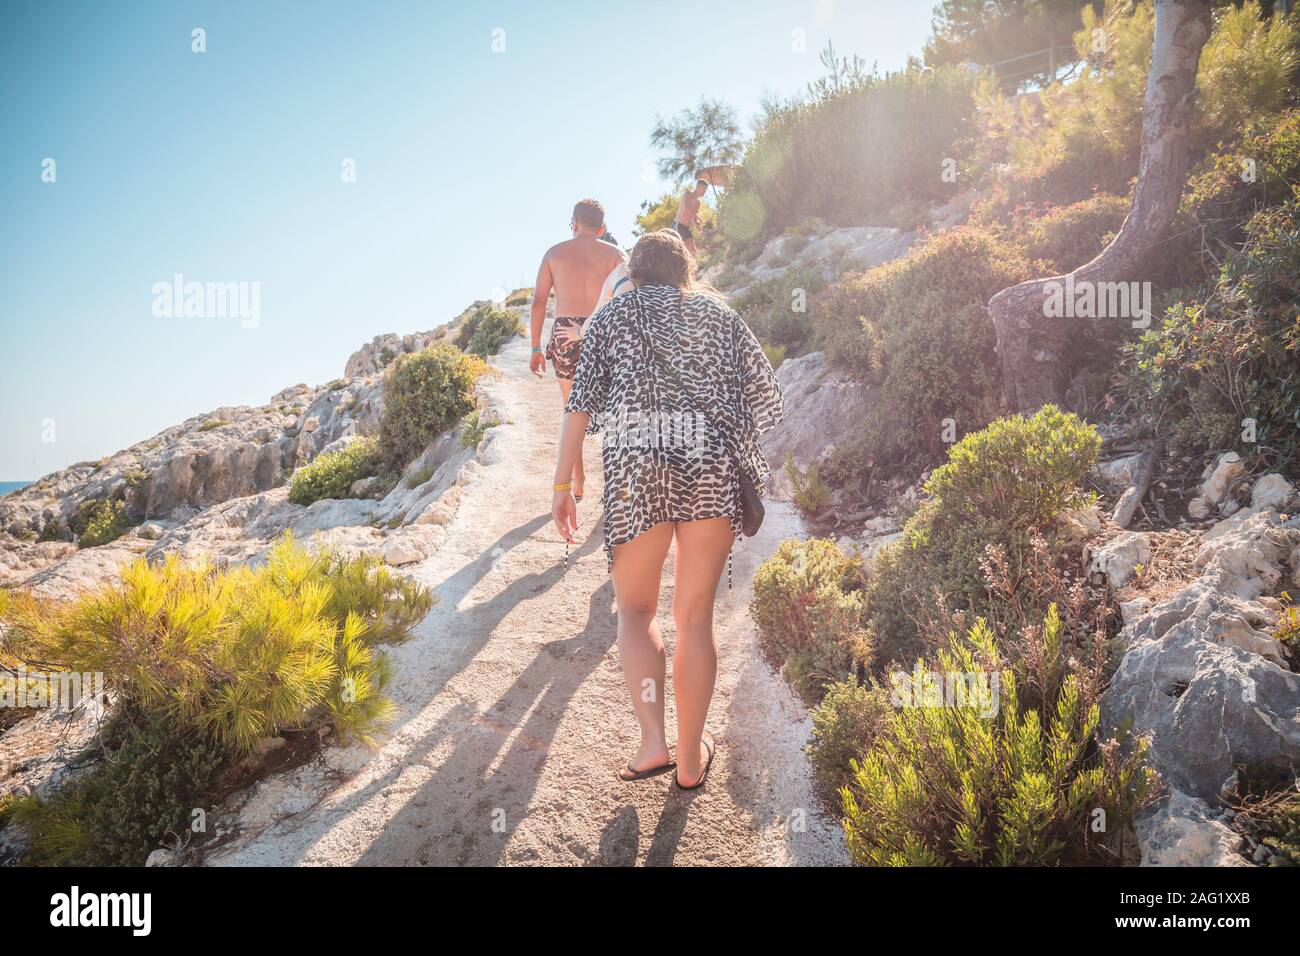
(513, 715)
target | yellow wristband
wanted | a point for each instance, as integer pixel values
(564, 487)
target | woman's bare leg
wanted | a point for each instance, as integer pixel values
(638, 565)
(702, 548)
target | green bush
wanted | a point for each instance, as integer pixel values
(425, 393)
(845, 726)
(202, 664)
(1278, 827)
(143, 794)
(1234, 183)
(239, 653)
(996, 781)
(476, 427)
(1003, 486)
(807, 603)
(778, 309)
(849, 153)
(330, 474)
(1231, 352)
(1065, 237)
(487, 329)
(100, 521)
(916, 328)
(660, 214)
(811, 495)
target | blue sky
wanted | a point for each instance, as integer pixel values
(226, 166)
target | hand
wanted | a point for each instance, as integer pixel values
(565, 512)
(537, 364)
(568, 335)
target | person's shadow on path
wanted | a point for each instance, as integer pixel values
(457, 815)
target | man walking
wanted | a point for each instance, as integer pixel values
(688, 211)
(576, 269)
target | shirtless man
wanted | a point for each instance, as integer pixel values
(688, 210)
(576, 269)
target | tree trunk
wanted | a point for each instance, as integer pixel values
(1029, 342)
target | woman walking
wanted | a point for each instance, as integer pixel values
(682, 390)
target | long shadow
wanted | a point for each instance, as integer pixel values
(465, 812)
(669, 830)
(446, 620)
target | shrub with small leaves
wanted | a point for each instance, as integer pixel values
(331, 473)
(845, 726)
(916, 330)
(487, 329)
(100, 521)
(425, 393)
(1008, 784)
(1004, 485)
(778, 309)
(142, 794)
(807, 604)
(1223, 368)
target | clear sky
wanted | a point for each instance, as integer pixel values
(227, 166)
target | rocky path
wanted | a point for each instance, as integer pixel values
(513, 716)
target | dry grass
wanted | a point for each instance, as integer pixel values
(1170, 569)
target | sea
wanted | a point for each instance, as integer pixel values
(8, 486)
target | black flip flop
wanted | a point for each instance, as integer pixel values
(628, 775)
(711, 747)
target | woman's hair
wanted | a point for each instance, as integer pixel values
(661, 258)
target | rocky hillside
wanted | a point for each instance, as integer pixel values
(215, 485)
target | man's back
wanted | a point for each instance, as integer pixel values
(578, 268)
(688, 208)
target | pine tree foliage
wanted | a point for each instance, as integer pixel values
(239, 653)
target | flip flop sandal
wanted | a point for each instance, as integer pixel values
(709, 745)
(628, 775)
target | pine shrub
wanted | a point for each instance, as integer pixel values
(239, 653)
(202, 664)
